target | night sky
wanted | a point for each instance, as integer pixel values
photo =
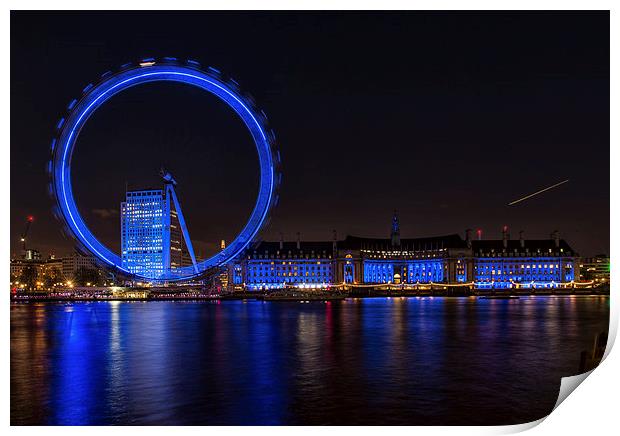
(446, 117)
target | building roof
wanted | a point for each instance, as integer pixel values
(428, 243)
(273, 247)
(529, 245)
(479, 247)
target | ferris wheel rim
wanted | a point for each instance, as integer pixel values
(149, 71)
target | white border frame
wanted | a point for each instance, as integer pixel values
(592, 410)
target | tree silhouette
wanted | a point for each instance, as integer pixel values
(52, 277)
(87, 275)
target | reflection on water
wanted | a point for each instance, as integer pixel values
(361, 361)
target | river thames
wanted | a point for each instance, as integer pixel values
(414, 361)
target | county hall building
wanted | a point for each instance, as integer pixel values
(449, 260)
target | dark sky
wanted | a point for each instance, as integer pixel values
(446, 117)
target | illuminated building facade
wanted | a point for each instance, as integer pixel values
(274, 265)
(145, 233)
(46, 273)
(595, 269)
(412, 261)
(448, 260)
(176, 241)
(506, 263)
(152, 240)
(179, 255)
(32, 254)
(222, 278)
(77, 263)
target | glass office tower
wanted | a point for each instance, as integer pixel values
(145, 233)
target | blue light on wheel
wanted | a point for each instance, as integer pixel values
(149, 71)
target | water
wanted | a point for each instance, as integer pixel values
(387, 361)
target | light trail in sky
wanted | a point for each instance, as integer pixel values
(537, 192)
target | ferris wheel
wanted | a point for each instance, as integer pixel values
(162, 70)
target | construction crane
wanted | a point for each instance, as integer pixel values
(29, 221)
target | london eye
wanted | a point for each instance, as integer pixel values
(162, 70)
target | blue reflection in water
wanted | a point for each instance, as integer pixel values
(360, 361)
(79, 359)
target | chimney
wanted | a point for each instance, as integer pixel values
(334, 245)
(281, 241)
(505, 236)
(521, 240)
(479, 233)
(556, 238)
(298, 240)
(468, 237)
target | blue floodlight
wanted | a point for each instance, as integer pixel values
(95, 96)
